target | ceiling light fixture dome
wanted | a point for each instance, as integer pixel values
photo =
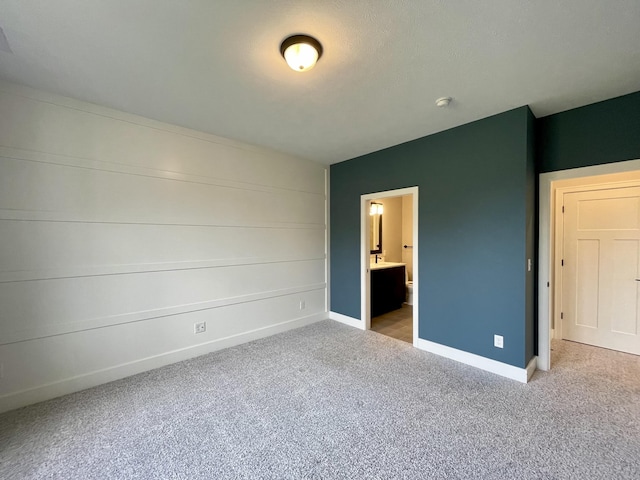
(301, 52)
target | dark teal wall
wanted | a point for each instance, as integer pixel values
(478, 216)
(474, 219)
(603, 132)
(531, 238)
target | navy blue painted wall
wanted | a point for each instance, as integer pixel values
(475, 231)
(531, 238)
(602, 132)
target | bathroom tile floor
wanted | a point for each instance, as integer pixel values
(397, 324)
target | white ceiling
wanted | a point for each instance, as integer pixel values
(215, 65)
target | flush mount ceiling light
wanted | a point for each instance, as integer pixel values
(301, 52)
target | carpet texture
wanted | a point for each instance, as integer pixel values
(329, 401)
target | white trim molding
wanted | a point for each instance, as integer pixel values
(352, 322)
(532, 366)
(514, 373)
(92, 379)
(549, 183)
(365, 255)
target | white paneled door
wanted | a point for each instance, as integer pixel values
(601, 268)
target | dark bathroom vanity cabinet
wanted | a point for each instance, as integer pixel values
(388, 289)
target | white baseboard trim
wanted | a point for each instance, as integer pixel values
(531, 367)
(519, 374)
(352, 322)
(81, 382)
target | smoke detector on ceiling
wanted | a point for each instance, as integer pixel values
(443, 101)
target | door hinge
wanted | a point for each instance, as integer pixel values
(561, 315)
(562, 208)
(562, 263)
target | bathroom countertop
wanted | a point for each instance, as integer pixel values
(380, 265)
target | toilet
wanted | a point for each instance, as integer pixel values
(409, 293)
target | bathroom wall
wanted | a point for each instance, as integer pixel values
(407, 233)
(392, 228)
(119, 233)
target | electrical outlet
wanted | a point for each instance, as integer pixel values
(303, 305)
(498, 341)
(200, 327)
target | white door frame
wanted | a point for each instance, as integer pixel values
(365, 255)
(546, 250)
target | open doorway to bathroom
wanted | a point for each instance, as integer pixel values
(389, 229)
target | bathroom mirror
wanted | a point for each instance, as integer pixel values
(376, 227)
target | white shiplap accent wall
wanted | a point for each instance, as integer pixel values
(118, 233)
